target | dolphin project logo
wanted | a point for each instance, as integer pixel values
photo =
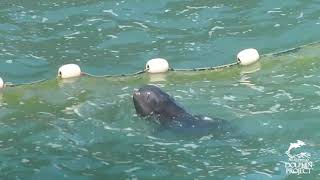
(298, 163)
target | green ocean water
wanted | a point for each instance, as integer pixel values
(86, 128)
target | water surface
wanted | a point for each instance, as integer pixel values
(87, 128)
(115, 37)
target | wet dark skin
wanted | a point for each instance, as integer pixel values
(152, 102)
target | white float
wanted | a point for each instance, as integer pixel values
(157, 65)
(248, 56)
(69, 71)
(1, 83)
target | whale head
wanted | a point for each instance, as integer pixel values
(151, 100)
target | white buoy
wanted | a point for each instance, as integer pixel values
(1, 83)
(69, 71)
(157, 65)
(248, 56)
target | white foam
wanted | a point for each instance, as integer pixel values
(110, 11)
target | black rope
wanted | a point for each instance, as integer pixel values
(208, 68)
(121, 75)
(292, 50)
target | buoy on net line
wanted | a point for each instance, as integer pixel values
(153, 66)
(157, 65)
(2, 84)
(69, 71)
(248, 56)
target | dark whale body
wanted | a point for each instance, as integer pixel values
(150, 101)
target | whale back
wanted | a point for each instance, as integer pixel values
(150, 101)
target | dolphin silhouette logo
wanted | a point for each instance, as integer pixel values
(298, 144)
